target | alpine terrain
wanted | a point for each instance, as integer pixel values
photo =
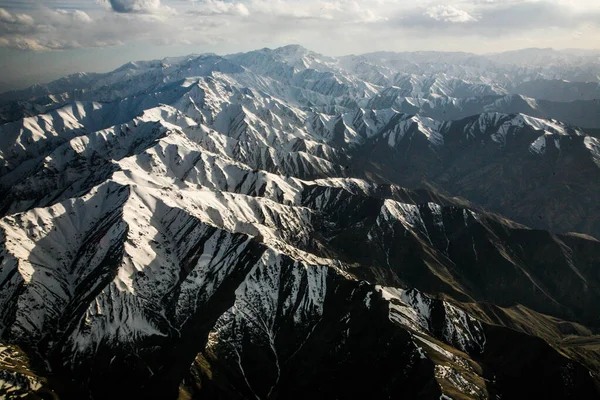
(280, 224)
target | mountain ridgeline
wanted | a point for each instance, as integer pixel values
(280, 224)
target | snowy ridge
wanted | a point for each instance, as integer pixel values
(414, 309)
(593, 144)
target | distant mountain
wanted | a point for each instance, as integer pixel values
(282, 224)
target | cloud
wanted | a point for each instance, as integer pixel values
(217, 7)
(55, 30)
(15, 25)
(495, 19)
(16, 19)
(331, 26)
(530, 15)
(338, 12)
(75, 15)
(449, 14)
(128, 6)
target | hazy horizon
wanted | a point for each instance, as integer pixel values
(44, 40)
(111, 65)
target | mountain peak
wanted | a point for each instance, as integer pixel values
(291, 48)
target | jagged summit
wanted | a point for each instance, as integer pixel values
(291, 49)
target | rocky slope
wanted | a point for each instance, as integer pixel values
(262, 225)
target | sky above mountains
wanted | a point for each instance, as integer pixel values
(42, 40)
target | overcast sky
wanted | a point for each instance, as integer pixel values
(43, 40)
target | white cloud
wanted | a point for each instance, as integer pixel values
(447, 13)
(5, 16)
(56, 30)
(218, 7)
(330, 26)
(75, 15)
(15, 19)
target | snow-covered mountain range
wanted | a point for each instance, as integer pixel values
(282, 224)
